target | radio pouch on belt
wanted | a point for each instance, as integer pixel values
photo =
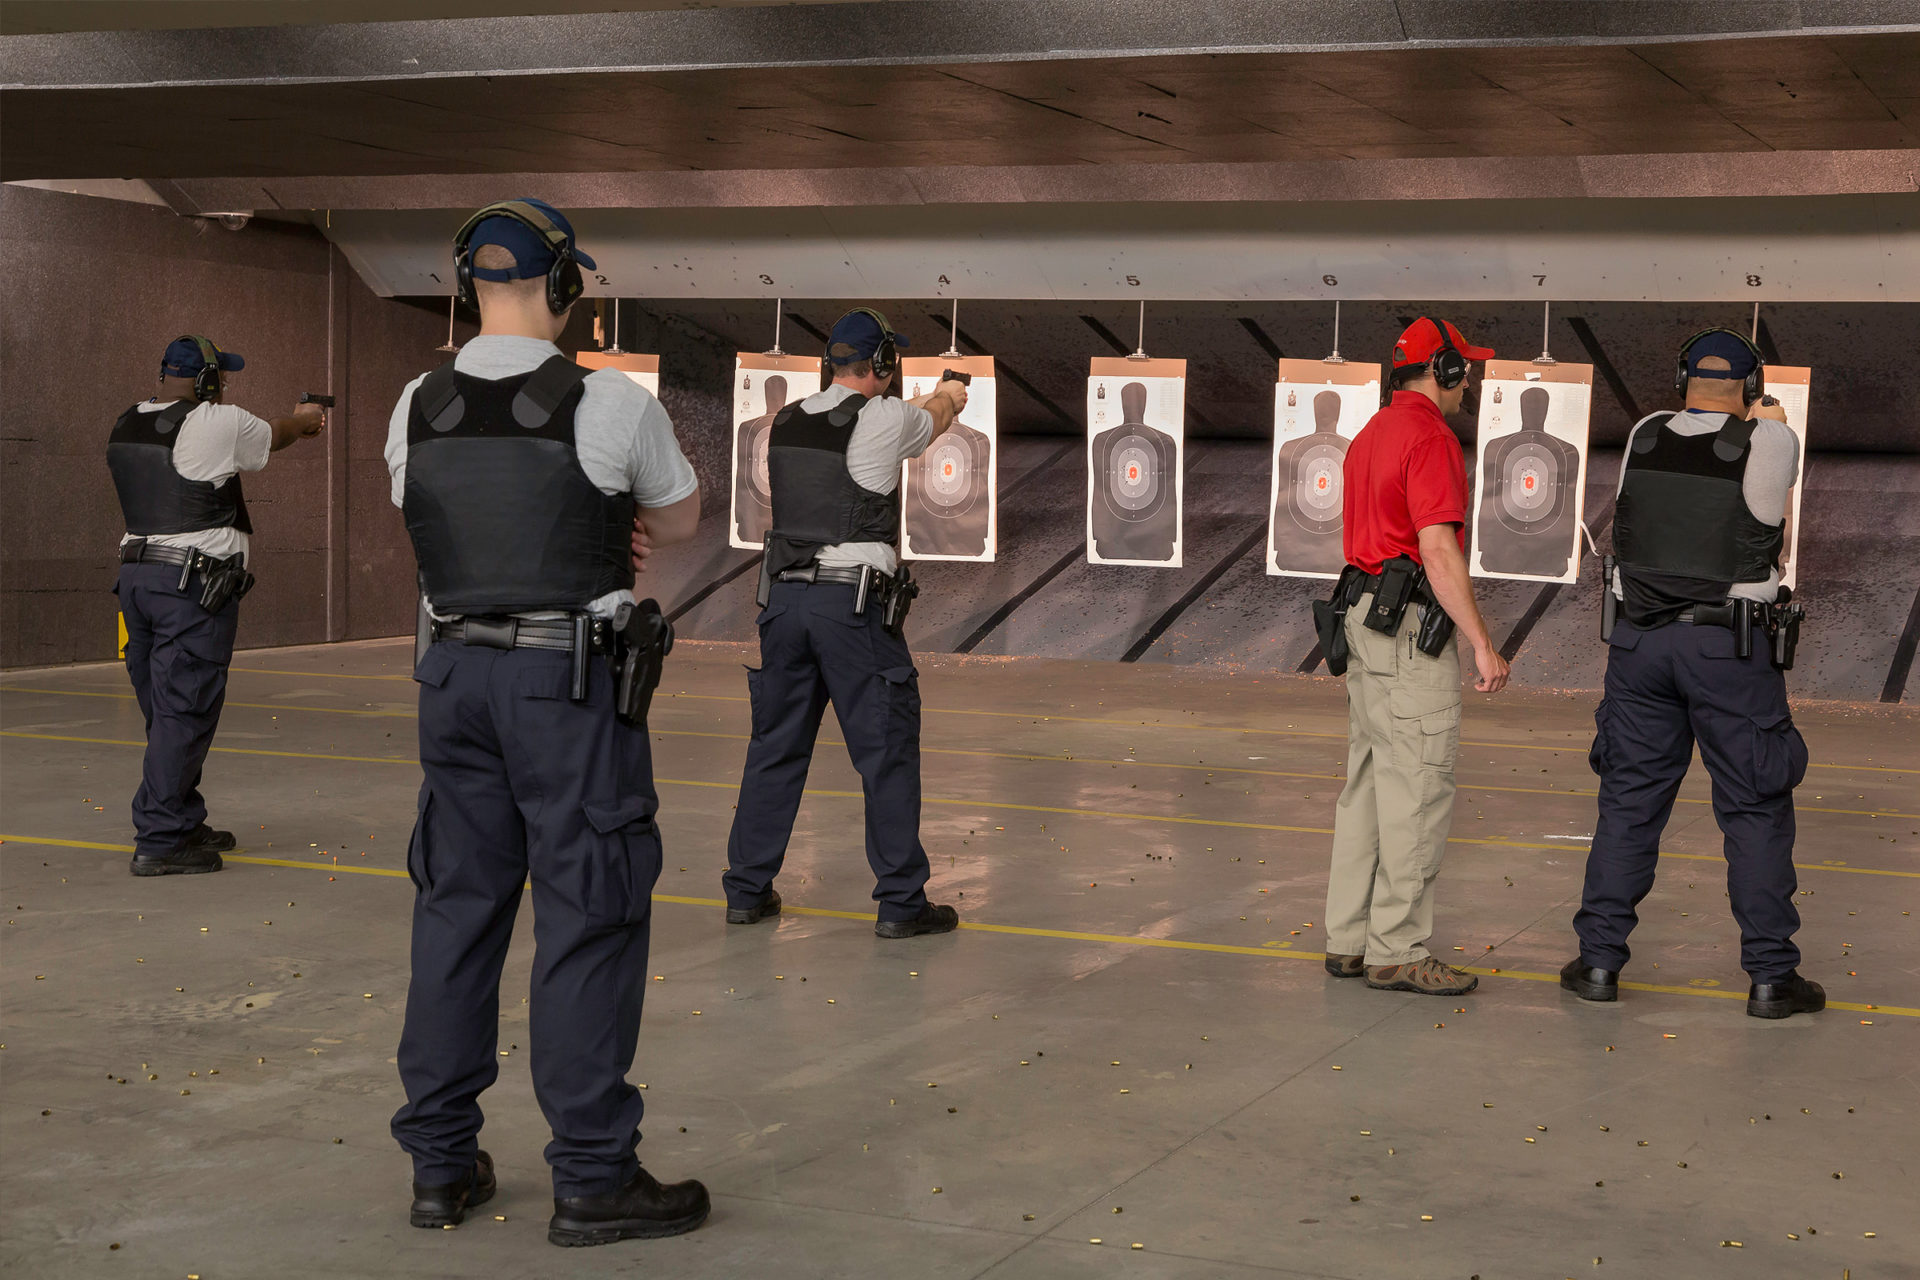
(1330, 622)
(644, 638)
(1398, 577)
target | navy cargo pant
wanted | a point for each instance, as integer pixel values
(1668, 688)
(521, 782)
(177, 656)
(813, 650)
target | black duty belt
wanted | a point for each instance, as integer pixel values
(836, 575)
(140, 551)
(523, 633)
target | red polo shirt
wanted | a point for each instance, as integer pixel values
(1404, 471)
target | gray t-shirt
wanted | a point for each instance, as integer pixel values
(1771, 472)
(216, 442)
(889, 432)
(622, 436)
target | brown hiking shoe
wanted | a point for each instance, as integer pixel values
(1427, 976)
(1339, 966)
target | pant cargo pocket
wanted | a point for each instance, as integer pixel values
(901, 705)
(624, 863)
(1779, 755)
(1426, 727)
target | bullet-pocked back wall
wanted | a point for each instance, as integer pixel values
(96, 289)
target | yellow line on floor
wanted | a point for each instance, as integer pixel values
(1571, 746)
(1010, 755)
(1023, 931)
(961, 802)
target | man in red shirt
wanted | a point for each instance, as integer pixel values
(1405, 496)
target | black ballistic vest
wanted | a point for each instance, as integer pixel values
(154, 497)
(1682, 531)
(816, 502)
(503, 519)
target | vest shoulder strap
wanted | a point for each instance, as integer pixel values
(1733, 439)
(438, 399)
(540, 398)
(176, 413)
(1647, 435)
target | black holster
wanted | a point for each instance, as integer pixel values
(1330, 620)
(764, 592)
(1436, 628)
(221, 581)
(642, 640)
(896, 600)
(1783, 626)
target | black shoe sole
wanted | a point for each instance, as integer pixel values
(1590, 990)
(581, 1235)
(165, 867)
(1775, 1009)
(444, 1218)
(752, 915)
(910, 928)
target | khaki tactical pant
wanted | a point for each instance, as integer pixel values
(1390, 829)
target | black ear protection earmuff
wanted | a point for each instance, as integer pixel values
(885, 358)
(206, 382)
(564, 284)
(1448, 365)
(1751, 387)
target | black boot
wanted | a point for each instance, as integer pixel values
(641, 1210)
(446, 1205)
(1790, 995)
(1590, 983)
(184, 861)
(932, 919)
(205, 839)
(767, 906)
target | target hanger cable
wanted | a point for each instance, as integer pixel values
(615, 349)
(1546, 320)
(1140, 342)
(1336, 357)
(778, 304)
(1753, 332)
(449, 346)
(953, 339)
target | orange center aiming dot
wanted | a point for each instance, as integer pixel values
(1133, 472)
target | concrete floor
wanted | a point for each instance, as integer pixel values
(1128, 1064)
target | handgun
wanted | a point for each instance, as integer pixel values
(964, 379)
(314, 397)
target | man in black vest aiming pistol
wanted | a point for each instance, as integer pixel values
(1699, 633)
(833, 603)
(184, 564)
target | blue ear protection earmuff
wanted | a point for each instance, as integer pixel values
(564, 284)
(1751, 387)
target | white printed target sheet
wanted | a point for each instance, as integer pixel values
(1318, 408)
(948, 507)
(1136, 432)
(644, 370)
(1791, 386)
(763, 385)
(1529, 476)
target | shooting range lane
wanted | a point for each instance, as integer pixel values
(802, 1114)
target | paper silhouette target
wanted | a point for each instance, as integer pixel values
(1136, 412)
(1790, 385)
(949, 511)
(762, 386)
(643, 370)
(1317, 410)
(1531, 471)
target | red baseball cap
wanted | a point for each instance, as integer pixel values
(1424, 337)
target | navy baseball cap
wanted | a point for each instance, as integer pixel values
(1729, 346)
(532, 255)
(858, 334)
(184, 359)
